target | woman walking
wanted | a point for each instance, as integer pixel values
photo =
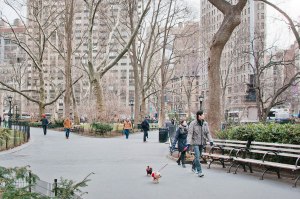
(67, 125)
(181, 138)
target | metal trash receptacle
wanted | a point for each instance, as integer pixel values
(163, 135)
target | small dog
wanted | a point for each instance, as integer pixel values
(156, 175)
(149, 171)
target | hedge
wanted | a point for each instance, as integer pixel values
(101, 127)
(269, 132)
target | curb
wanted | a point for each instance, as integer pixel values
(18, 148)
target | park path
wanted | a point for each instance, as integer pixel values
(119, 167)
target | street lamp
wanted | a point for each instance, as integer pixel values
(201, 98)
(131, 104)
(9, 98)
(16, 112)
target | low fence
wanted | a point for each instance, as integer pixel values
(18, 134)
(41, 187)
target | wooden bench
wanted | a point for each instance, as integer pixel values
(223, 151)
(271, 156)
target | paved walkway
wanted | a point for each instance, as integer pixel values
(119, 167)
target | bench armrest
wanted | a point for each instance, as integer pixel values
(297, 161)
(232, 150)
(269, 152)
(211, 151)
(244, 150)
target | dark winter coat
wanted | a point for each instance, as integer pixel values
(145, 125)
(44, 121)
(181, 137)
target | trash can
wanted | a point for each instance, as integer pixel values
(163, 135)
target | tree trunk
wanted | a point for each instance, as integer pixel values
(232, 18)
(214, 105)
(98, 93)
(69, 48)
(162, 117)
(75, 110)
(42, 93)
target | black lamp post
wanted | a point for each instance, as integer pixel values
(131, 104)
(201, 98)
(16, 112)
(9, 98)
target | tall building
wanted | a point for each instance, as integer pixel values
(11, 63)
(106, 46)
(237, 76)
(183, 89)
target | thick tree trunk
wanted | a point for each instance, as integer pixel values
(98, 92)
(69, 48)
(232, 18)
(214, 105)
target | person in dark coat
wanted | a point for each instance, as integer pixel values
(146, 127)
(45, 123)
(181, 138)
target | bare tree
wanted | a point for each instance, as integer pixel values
(274, 74)
(38, 32)
(232, 18)
(97, 70)
(290, 21)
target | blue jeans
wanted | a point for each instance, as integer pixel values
(67, 133)
(126, 131)
(198, 153)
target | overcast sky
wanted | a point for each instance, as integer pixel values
(277, 30)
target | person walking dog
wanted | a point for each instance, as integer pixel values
(181, 138)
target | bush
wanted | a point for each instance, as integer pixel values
(56, 124)
(270, 132)
(35, 124)
(101, 128)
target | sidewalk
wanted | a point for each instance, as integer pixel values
(119, 166)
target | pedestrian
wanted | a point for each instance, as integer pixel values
(4, 122)
(198, 133)
(67, 126)
(127, 127)
(146, 127)
(181, 138)
(0, 121)
(45, 123)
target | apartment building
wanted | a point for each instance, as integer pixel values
(12, 67)
(106, 46)
(182, 94)
(237, 76)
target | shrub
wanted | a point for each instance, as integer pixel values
(101, 127)
(270, 132)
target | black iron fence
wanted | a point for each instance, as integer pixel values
(17, 135)
(41, 187)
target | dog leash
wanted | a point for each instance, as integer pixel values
(162, 167)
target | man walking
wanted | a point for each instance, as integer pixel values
(67, 126)
(146, 127)
(198, 133)
(45, 123)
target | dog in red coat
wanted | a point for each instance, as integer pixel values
(156, 175)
